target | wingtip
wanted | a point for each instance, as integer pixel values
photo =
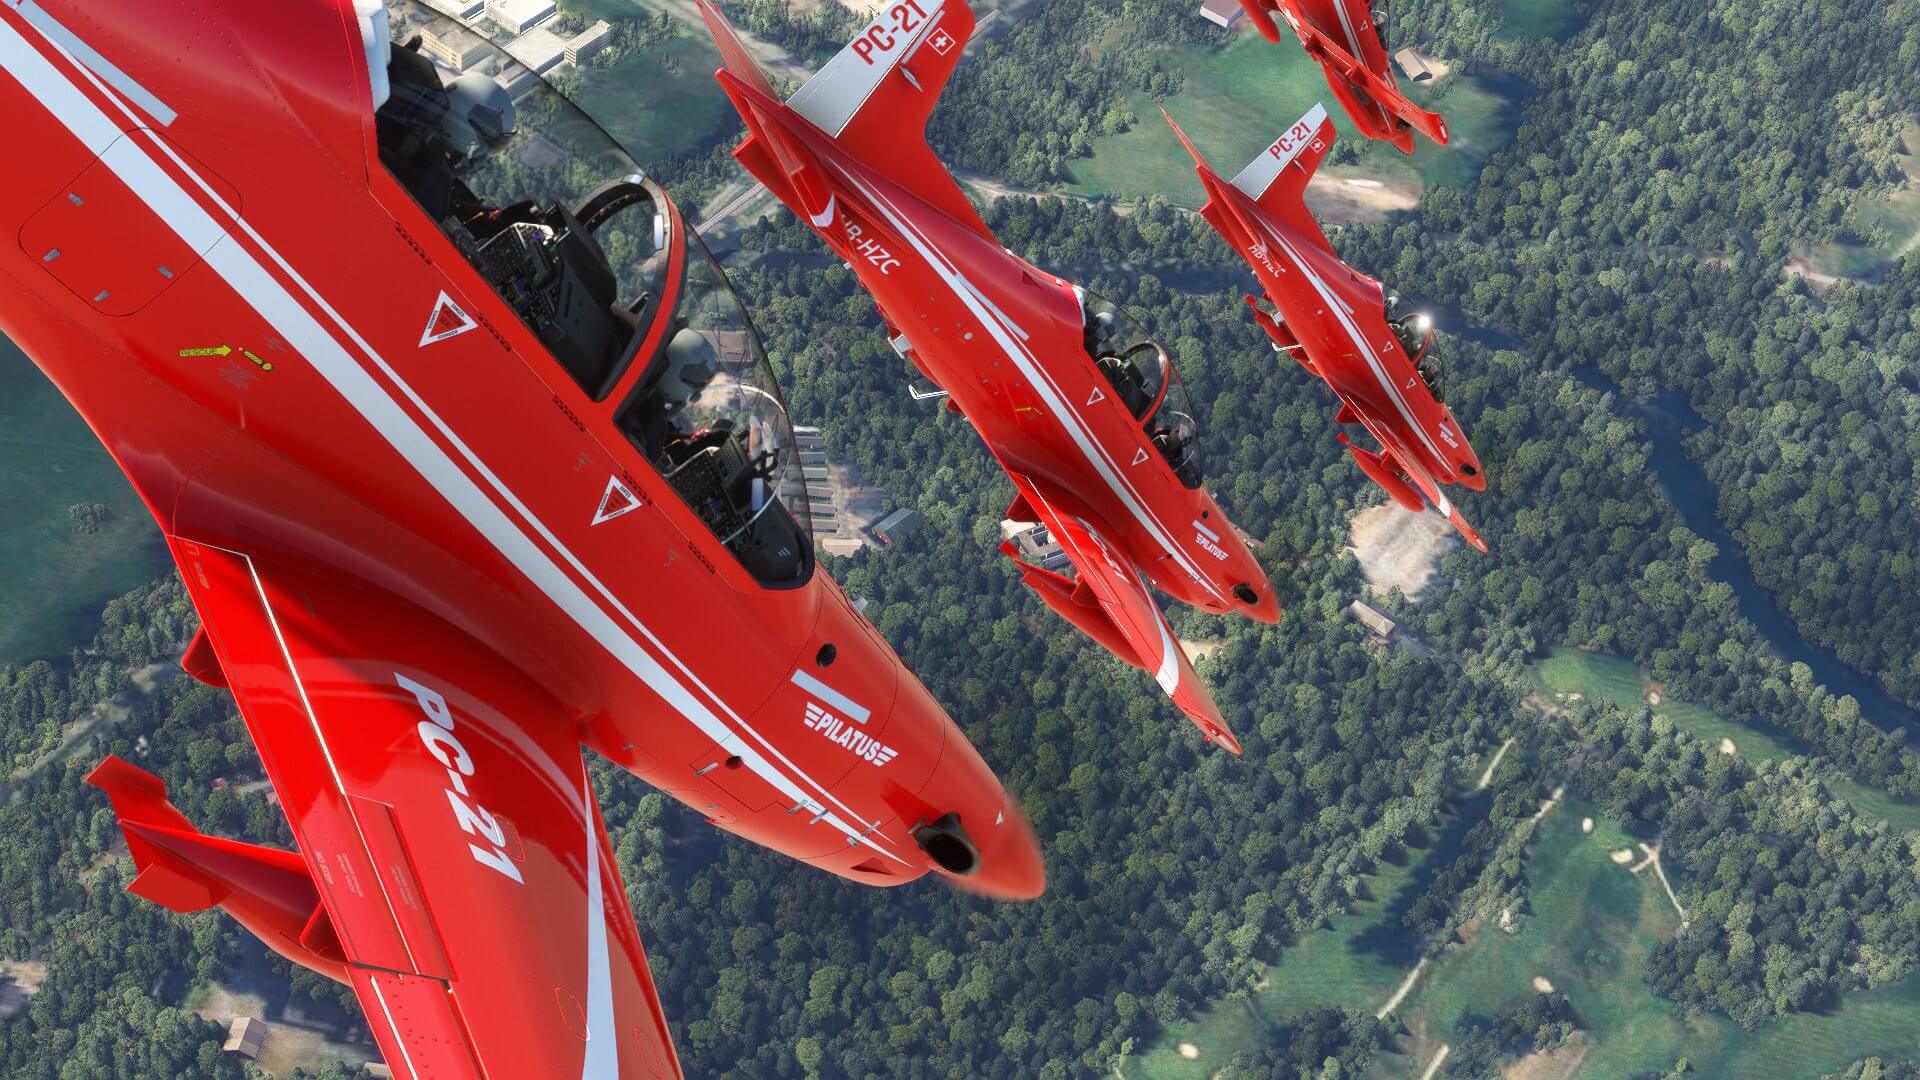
(116, 775)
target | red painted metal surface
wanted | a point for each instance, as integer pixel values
(399, 541)
(1334, 321)
(1008, 341)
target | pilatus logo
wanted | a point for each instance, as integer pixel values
(1208, 540)
(840, 733)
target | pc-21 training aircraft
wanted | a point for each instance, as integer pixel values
(1080, 406)
(1365, 341)
(1348, 40)
(468, 456)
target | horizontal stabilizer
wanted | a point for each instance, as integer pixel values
(182, 869)
(201, 663)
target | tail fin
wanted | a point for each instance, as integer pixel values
(873, 98)
(734, 55)
(1277, 179)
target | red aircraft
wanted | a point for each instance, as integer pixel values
(1083, 410)
(1348, 39)
(469, 457)
(1366, 341)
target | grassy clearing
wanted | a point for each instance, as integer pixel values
(1575, 671)
(1896, 216)
(1356, 962)
(1237, 98)
(53, 579)
(660, 103)
(1329, 968)
(1589, 927)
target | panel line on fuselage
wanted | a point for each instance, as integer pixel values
(142, 175)
(1030, 365)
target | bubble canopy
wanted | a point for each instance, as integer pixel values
(588, 253)
(1146, 382)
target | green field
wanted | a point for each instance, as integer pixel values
(1522, 19)
(1587, 928)
(660, 103)
(1356, 963)
(1590, 674)
(1324, 969)
(1895, 216)
(1591, 923)
(1238, 98)
(53, 579)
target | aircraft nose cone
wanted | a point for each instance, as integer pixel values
(1011, 867)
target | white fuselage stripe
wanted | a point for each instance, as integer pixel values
(603, 1027)
(480, 467)
(1353, 44)
(88, 57)
(271, 300)
(1037, 376)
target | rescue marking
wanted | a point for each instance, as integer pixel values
(618, 500)
(447, 321)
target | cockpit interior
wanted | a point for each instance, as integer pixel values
(576, 240)
(1145, 381)
(1414, 330)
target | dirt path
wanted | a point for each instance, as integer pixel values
(1439, 1059)
(1487, 777)
(106, 712)
(1406, 987)
(752, 190)
(1653, 860)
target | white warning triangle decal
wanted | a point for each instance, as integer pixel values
(617, 501)
(1139, 456)
(446, 321)
(1097, 397)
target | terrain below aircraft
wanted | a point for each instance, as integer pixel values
(1348, 39)
(469, 457)
(1083, 410)
(1365, 341)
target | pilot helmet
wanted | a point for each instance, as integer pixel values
(691, 365)
(481, 114)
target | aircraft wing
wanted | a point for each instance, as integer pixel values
(443, 810)
(1133, 627)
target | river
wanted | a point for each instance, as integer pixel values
(1669, 420)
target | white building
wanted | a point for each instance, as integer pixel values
(459, 9)
(519, 16)
(454, 47)
(540, 49)
(589, 42)
(1221, 12)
